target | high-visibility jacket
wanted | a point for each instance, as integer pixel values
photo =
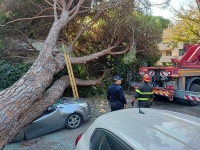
(144, 91)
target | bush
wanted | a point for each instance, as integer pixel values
(11, 72)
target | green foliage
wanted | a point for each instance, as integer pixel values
(4, 46)
(185, 28)
(33, 29)
(122, 69)
(1, 45)
(11, 72)
(162, 22)
(60, 74)
(153, 55)
(130, 56)
(3, 18)
(101, 90)
(80, 71)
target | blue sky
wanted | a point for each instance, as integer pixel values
(165, 13)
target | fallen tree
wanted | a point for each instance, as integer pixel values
(26, 99)
(29, 97)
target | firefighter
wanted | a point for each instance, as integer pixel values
(115, 95)
(144, 93)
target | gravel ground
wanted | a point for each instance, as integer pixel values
(65, 139)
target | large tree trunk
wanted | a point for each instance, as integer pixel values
(25, 100)
(17, 101)
(28, 97)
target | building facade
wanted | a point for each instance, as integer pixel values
(168, 53)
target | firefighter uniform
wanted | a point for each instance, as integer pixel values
(143, 94)
(115, 95)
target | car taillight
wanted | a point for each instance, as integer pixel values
(78, 138)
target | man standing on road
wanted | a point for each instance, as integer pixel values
(144, 93)
(115, 95)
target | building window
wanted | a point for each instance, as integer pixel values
(168, 53)
(181, 52)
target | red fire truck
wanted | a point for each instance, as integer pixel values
(180, 81)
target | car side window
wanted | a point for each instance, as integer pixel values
(94, 139)
(105, 140)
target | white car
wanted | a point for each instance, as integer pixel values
(129, 130)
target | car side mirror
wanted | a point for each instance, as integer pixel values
(50, 109)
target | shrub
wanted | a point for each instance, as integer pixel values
(11, 72)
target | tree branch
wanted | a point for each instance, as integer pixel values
(48, 3)
(44, 11)
(20, 57)
(86, 27)
(54, 10)
(82, 60)
(36, 5)
(75, 10)
(21, 19)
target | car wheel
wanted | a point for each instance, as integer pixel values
(74, 121)
(194, 88)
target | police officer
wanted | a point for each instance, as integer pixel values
(144, 93)
(115, 95)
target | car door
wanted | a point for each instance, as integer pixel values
(48, 122)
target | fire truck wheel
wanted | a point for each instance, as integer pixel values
(194, 88)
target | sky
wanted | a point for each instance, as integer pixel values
(165, 13)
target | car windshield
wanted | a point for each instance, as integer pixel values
(64, 100)
(59, 101)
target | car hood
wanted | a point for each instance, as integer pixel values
(154, 130)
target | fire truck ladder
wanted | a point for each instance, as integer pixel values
(70, 72)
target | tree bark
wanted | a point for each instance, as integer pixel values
(26, 99)
(23, 101)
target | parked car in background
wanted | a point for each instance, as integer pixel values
(66, 112)
(128, 130)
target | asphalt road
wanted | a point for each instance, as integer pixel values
(177, 106)
(65, 139)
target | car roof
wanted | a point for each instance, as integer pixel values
(155, 130)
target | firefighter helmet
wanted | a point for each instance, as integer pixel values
(146, 78)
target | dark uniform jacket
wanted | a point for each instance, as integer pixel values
(144, 91)
(115, 93)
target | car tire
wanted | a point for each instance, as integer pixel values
(194, 88)
(73, 121)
